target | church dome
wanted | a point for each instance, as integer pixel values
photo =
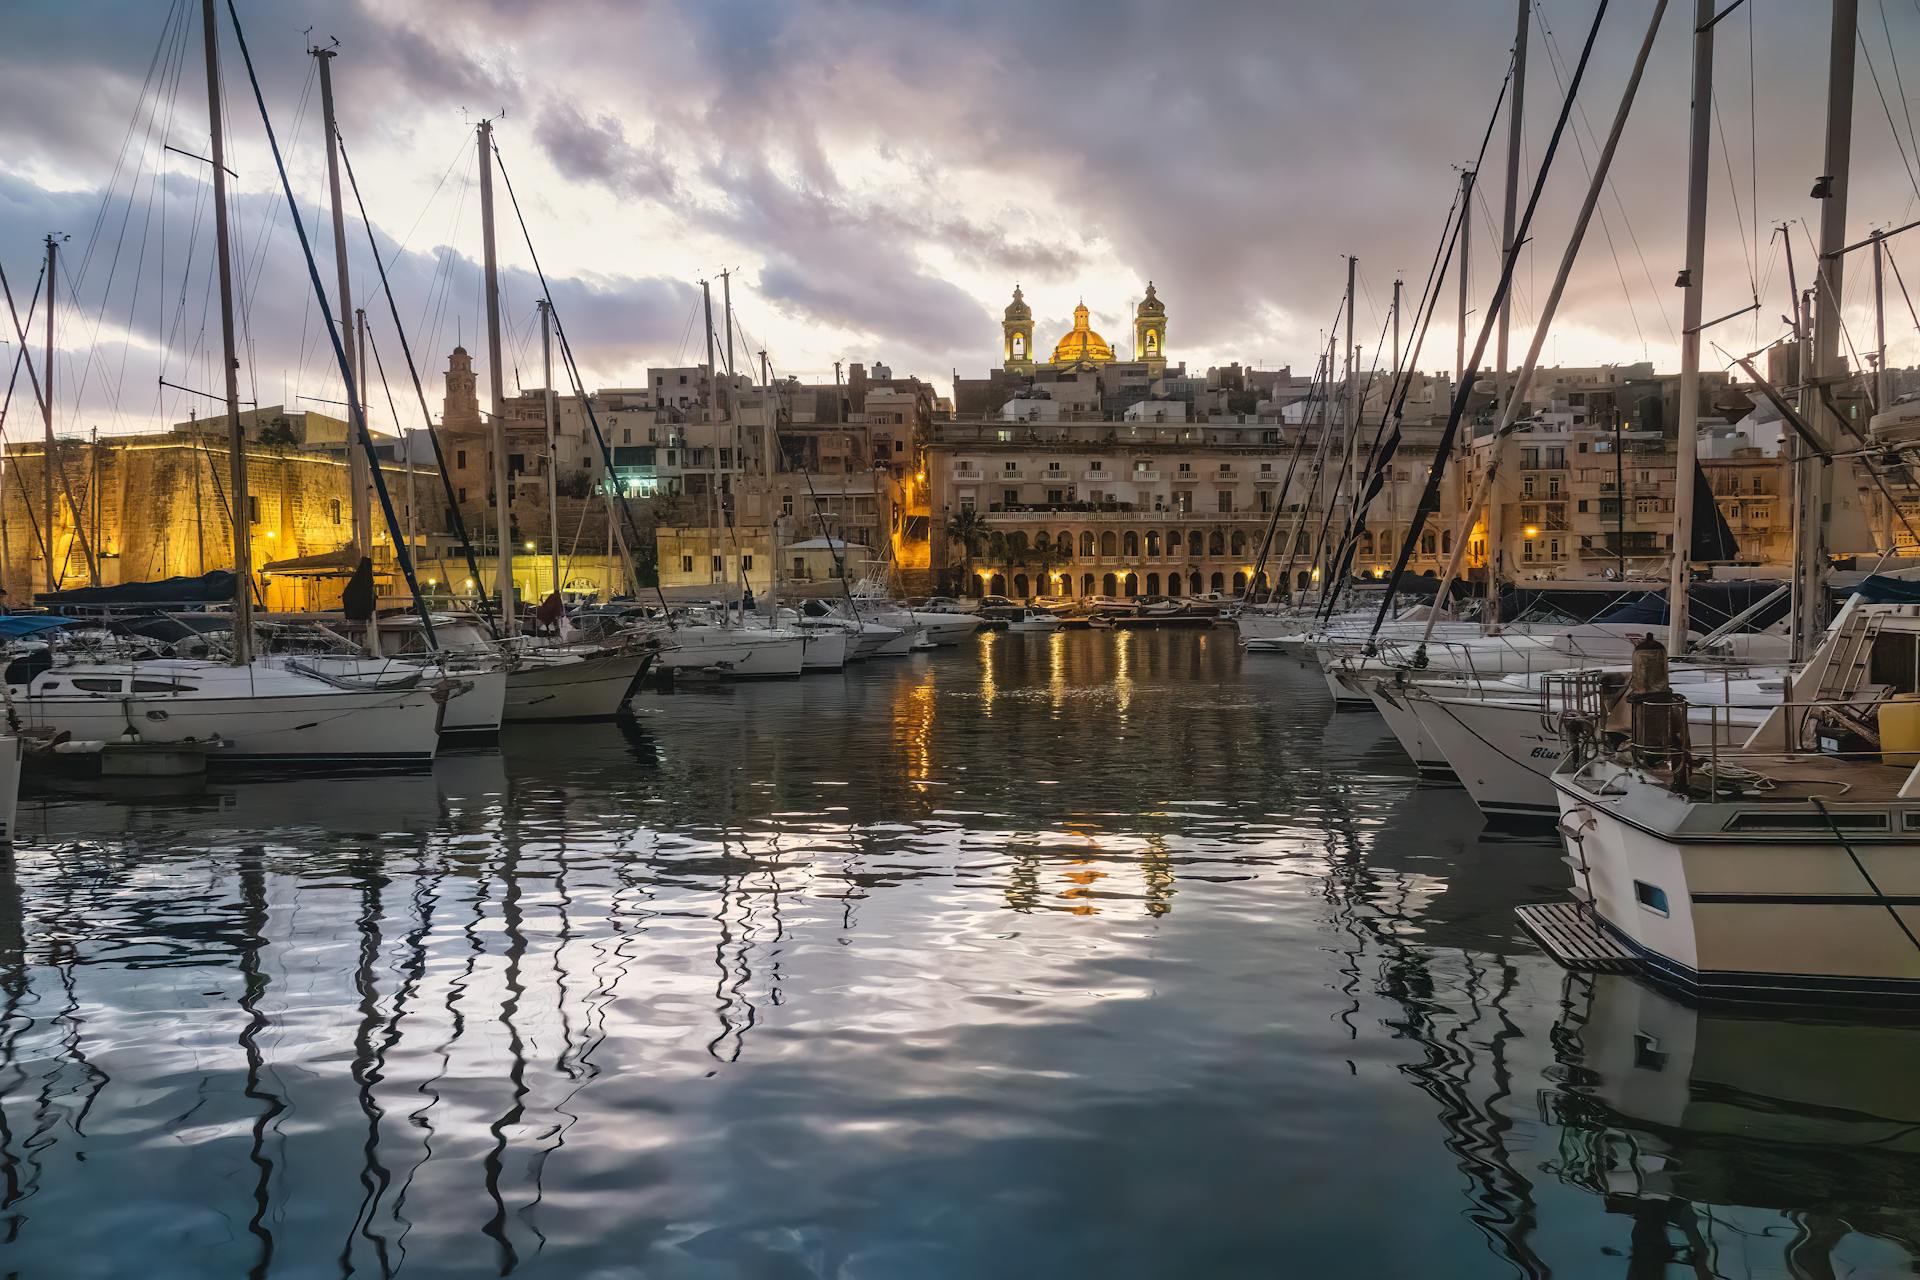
(1083, 345)
(1018, 308)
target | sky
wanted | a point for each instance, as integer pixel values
(876, 176)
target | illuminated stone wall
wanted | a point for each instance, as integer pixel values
(157, 508)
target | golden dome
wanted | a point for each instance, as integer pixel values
(1083, 345)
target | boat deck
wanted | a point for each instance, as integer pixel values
(1575, 938)
(1802, 777)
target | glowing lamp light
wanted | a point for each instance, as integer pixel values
(1532, 531)
(469, 584)
(529, 546)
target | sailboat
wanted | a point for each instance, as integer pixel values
(1784, 868)
(548, 678)
(251, 709)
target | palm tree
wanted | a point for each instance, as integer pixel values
(969, 529)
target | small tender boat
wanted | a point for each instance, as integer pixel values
(1032, 621)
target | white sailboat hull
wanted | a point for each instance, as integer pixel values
(824, 651)
(571, 686)
(332, 726)
(731, 651)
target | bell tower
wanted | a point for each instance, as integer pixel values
(1150, 331)
(1017, 334)
(460, 410)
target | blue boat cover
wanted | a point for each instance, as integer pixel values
(14, 626)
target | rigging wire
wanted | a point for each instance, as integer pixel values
(1556, 62)
(1898, 143)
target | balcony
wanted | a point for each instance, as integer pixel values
(1009, 477)
(1267, 477)
(1144, 477)
(972, 475)
(1187, 477)
(1227, 472)
(1097, 474)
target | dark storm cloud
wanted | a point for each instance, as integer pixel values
(1233, 150)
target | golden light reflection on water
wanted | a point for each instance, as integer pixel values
(988, 688)
(913, 727)
(1122, 672)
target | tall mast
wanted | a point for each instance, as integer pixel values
(713, 440)
(1396, 326)
(362, 535)
(46, 415)
(1814, 555)
(1883, 378)
(553, 444)
(1466, 253)
(1516, 121)
(1687, 442)
(502, 499)
(236, 438)
(1352, 397)
(357, 479)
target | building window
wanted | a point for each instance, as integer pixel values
(253, 509)
(1526, 550)
(463, 496)
(719, 565)
(1010, 497)
(1053, 466)
(686, 564)
(746, 564)
(1186, 468)
(1140, 464)
(786, 504)
(333, 508)
(1009, 466)
(1553, 548)
(1226, 500)
(626, 435)
(460, 458)
(1651, 897)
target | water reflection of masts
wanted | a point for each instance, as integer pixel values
(1505, 1211)
(253, 989)
(731, 948)
(16, 985)
(367, 1064)
(514, 922)
(422, 1116)
(412, 970)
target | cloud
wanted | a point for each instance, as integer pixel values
(598, 151)
(881, 171)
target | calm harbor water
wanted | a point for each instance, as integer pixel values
(1102, 954)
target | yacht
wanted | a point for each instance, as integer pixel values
(730, 651)
(1780, 869)
(1033, 621)
(1502, 741)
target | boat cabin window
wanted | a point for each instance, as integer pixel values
(1761, 820)
(1652, 897)
(99, 684)
(156, 686)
